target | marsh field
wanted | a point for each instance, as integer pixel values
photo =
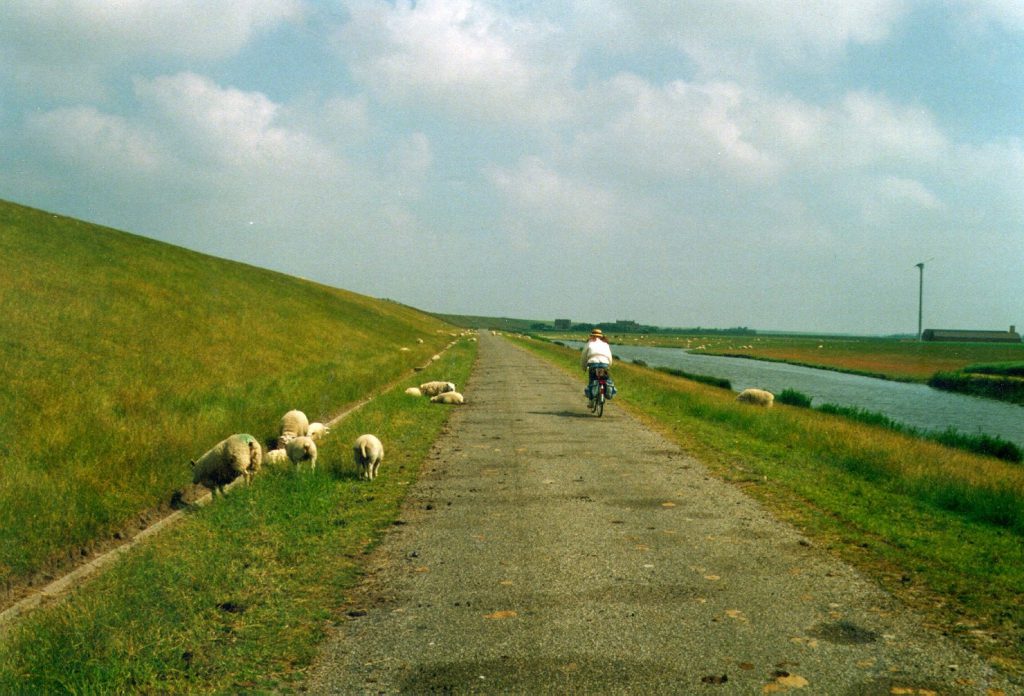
(901, 359)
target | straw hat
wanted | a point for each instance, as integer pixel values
(596, 332)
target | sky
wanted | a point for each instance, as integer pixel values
(781, 165)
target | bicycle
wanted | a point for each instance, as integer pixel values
(600, 384)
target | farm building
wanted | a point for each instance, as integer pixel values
(964, 336)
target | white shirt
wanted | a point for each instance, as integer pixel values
(596, 351)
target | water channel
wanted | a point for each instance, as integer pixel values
(917, 405)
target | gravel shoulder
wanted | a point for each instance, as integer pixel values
(544, 550)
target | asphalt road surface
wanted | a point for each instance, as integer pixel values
(544, 550)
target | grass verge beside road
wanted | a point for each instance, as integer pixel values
(941, 529)
(237, 597)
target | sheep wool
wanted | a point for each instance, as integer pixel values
(277, 456)
(414, 391)
(757, 397)
(317, 431)
(302, 449)
(226, 461)
(435, 388)
(368, 453)
(450, 397)
(293, 424)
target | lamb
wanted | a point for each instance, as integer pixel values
(368, 452)
(414, 391)
(435, 388)
(302, 449)
(317, 431)
(238, 455)
(278, 456)
(293, 424)
(757, 397)
(449, 397)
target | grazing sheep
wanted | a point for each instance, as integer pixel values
(293, 424)
(757, 397)
(368, 452)
(317, 431)
(435, 388)
(238, 455)
(414, 391)
(451, 397)
(302, 449)
(278, 456)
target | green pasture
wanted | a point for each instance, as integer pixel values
(123, 358)
(942, 528)
(888, 358)
(237, 596)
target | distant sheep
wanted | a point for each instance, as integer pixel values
(293, 424)
(757, 397)
(238, 455)
(302, 449)
(451, 397)
(368, 453)
(435, 388)
(278, 456)
(414, 391)
(317, 431)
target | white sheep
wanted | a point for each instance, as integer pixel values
(435, 388)
(414, 391)
(302, 449)
(238, 455)
(293, 424)
(757, 397)
(450, 397)
(277, 456)
(317, 431)
(368, 452)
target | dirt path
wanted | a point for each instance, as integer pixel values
(548, 551)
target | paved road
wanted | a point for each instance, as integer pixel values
(548, 551)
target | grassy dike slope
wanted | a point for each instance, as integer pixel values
(940, 528)
(123, 358)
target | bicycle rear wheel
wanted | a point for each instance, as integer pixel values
(599, 402)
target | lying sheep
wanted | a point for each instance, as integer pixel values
(414, 391)
(757, 397)
(278, 456)
(302, 449)
(450, 397)
(293, 424)
(317, 431)
(435, 388)
(368, 452)
(238, 455)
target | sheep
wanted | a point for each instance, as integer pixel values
(757, 397)
(450, 397)
(317, 431)
(293, 424)
(414, 391)
(278, 456)
(435, 388)
(302, 449)
(238, 455)
(368, 452)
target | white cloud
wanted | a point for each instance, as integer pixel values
(460, 55)
(87, 140)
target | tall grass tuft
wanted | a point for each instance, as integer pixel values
(792, 397)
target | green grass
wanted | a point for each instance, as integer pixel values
(123, 358)
(237, 596)
(942, 528)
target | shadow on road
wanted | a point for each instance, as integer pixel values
(563, 414)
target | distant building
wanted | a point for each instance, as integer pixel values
(563, 324)
(964, 336)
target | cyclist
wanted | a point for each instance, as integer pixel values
(597, 354)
